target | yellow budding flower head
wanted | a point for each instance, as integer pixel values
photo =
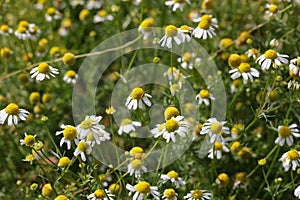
(69, 59)
(114, 188)
(243, 37)
(171, 31)
(48, 191)
(29, 140)
(54, 51)
(136, 150)
(143, 187)
(170, 112)
(84, 14)
(46, 98)
(146, 23)
(5, 52)
(225, 42)
(61, 197)
(64, 162)
(234, 60)
(207, 4)
(34, 97)
(110, 110)
(222, 179)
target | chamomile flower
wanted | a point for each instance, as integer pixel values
(64, 162)
(271, 57)
(188, 60)
(294, 66)
(12, 112)
(297, 192)
(290, 159)
(136, 98)
(5, 30)
(83, 148)
(69, 132)
(22, 33)
(186, 32)
(75, 3)
(141, 189)
(136, 167)
(128, 126)
(52, 14)
(28, 140)
(205, 97)
(244, 70)
(145, 28)
(198, 195)
(173, 126)
(252, 53)
(171, 33)
(177, 4)
(43, 71)
(91, 130)
(93, 4)
(206, 27)
(34, 31)
(70, 77)
(215, 130)
(102, 16)
(216, 150)
(272, 10)
(29, 158)
(240, 180)
(286, 133)
(173, 177)
(105, 178)
(170, 194)
(101, 194)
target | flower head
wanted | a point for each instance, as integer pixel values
(142, 189)
(173, 177)
(101, 194)
(271, 57)
(244, 70)
(215, 130)
(43, 71)
(177, 4)
(206, 27)
(170, 194)
(286, 133)
(135, 99)
(12, 112)
(294, 66)
(136, 167)
(171, 33)
(198, 195)
(70, 77)
(290, 159)
(29, 140)
(128, 126)
(145, 28)
(205, 97)
(69, 132)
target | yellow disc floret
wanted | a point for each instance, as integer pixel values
(171, 31)
(271, 54)
(71, 74)
(69, 59)
(216, 128)
(64, 161)
(204, 94)
(29, 140)
(197, 194)
(137, 93)
(43, 68)
(218, 146)
(143, 187)
(173, 174)
(47, 190)
(293, 154)
(99, 194)
(86, 124)
(136, 164)
(223, 179)
(146, 23)
(70, 132)
(170, 112)
(170, 194)
(61, 197)
(204, 24)
(114, 188)
(12, 109)
(126, 122)
(234, 60)
(244, 68)
(171, 125)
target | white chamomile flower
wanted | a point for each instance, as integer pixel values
(271, 57)
(101, 194)
(102, 16)
(294, 66)
(297, 192)
(170, 194)
(145, 28)
(22, 33)
(51, 14)
(29, 140)
(173, 177)
(215, 130)
(244, 70)
(188, 60)
(198, 195)
(177, 4)
(272, 10)
(205, 97)
(216, 150)
(12, 112)
(136, 98)
(173, 126)
(136, 167)
(83, 148)
(141, 189)
(252, 53)
(69, 132)
(91, 130)
(206, 27)
(286, 133)
(43, 71)
(186, 32)
(93, 4)
(5, 30)
(70, 77)
(290, 159)
(128, 126)
(171, 33)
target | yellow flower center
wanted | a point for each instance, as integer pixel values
(207, 18)
(71, 74)
(223, 179)
(244, 67)
(236, 129)
(293, 154)
(46, 98)
(137, 93)
(187, 57)
(5, 52)
(171, 31)
(29, 158)
(197, 194)
(171, 112)
(271, 54)
(54, 50)
(43, 68)
(84, 14)
(12, 109)
(47, 190)
(179, 1)
(216, 128)
(253, 51)
(4, 28)
(204, 94)
(29, 140)
(126, 121)
(66, 23)
(171, 125)
(64, 161)
(110, 110)
(103, 177)
(102, 13)
(136, 164)
(86, 124)
(234, 60)
(82, 146)
(298, 62)
(185, 28)
(273, 8)
(69, 59)
(204, 24)
(24, 24)
(235, 145)
(284, 131)
(51, 11)
(170, 194)
(99, 194)
(90, 136)
(218, 146)
(147, 23)
(70, 132)
(174, 87)
(114, 188)
(240, 176)
(173, 174)
(136, 150)
(22, 30)
(225, 42)
(61, 197)
(143, 187)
